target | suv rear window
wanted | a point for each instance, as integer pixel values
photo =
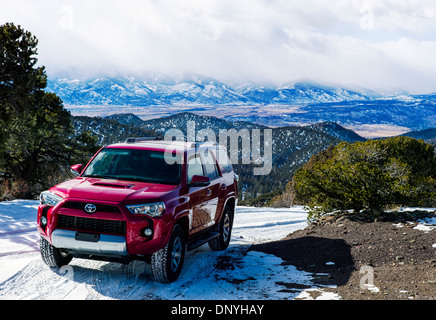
(134, 165)
(210, 164)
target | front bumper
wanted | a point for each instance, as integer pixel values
(120, 232)
(107, 244)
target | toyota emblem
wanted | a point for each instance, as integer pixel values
(90, 208)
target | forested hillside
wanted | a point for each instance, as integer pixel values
(107, 131)
(292, 146)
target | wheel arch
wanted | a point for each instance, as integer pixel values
(183, 221)
(231, 203)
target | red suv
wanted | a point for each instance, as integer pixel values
(142, 199)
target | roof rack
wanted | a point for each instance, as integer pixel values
(141, 139)
(204, 144)
(188, 144)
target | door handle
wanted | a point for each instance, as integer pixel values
(208, 192)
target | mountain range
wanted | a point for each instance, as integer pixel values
(192, 90)
(303, 102)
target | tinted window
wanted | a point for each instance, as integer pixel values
(195, 168)
(210, 165)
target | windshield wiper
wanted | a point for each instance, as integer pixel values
(119, 177)
(133, 179)
(100, 176)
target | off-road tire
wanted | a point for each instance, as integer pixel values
(52, 256)
(225, 231)
(167, 263)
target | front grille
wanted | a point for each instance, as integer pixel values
(100, 207)
(91, 224)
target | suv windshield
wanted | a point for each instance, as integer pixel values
(134, 165)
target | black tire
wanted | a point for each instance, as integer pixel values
(225, 230)
(167, 263)
(52, 256)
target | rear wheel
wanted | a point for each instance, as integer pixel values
(167, 263)
(52, 256)
(225, 231)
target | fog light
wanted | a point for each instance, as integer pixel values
(148, 232)
(43, 221)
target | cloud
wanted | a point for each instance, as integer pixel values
(376, 44)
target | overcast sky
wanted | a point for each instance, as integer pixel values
(380, 44)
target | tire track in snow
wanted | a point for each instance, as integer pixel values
(13, 232)
(19, 241)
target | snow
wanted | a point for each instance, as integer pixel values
(320, 295)
(424, 227)
(372, 288)
(258, 225)
(17, 227)
(234, 274)
(427, 224)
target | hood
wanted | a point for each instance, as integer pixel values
(110, 190)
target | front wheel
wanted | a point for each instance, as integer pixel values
(167, 263)
(225, 232)
(52, 256)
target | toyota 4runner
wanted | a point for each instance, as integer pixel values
(142, 199)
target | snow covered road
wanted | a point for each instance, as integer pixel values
(236, 273)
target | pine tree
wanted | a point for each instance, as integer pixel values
(368, 175)
(35, 129)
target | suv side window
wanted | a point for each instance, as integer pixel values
(195, 167)
(210, 165)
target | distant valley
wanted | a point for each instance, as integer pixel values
(367, 112)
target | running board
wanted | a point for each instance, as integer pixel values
(197, 242)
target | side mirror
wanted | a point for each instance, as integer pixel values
(199, 181)
(76, 169)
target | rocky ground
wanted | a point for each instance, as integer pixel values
(386, 258)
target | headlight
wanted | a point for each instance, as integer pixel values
(49, 199)
(151, 209)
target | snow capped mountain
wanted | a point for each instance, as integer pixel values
(136, 92)
(102, 91)
(193, 89)
(197, 90)
(309, 92)
(303, 102)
